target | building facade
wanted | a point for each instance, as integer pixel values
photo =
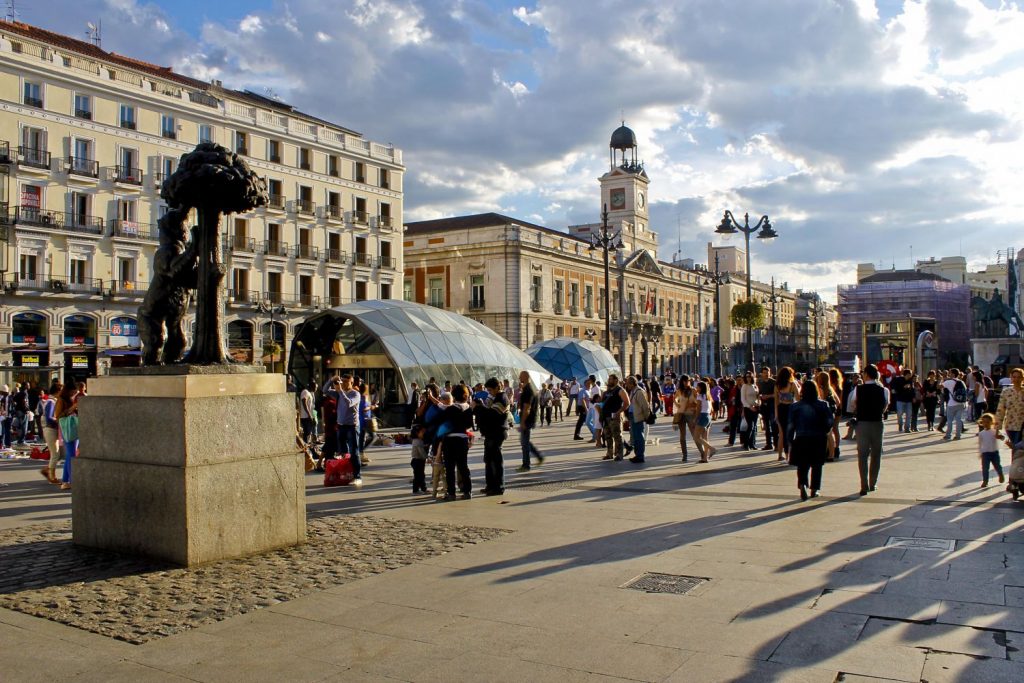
(891, 297)
(531, 283)
(86, 140)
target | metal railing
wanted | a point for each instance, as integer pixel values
(574, 310)
(128, 175)
(33, 102)
(306, 206)
(588, 311)
(361, 259)
(242, 149)
(275, 201)
(360, 217)
(384, 222)
(275, 248)
(5, 152)
(334, 212)
(128, 125)
(240, 243)
(31, 156)
(120, 227)
(73, 222)
(243, 296)
(60, 284)
(274, 158)
(557, 307)
(135, 288)
(335, 256)
(203, 98)
(386, 261)
(83, 167)
(306, 251)
(476, 304)
(169, 134)
(83, 114)
(535, 306)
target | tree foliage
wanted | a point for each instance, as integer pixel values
(747, 314)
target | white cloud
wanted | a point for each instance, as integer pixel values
(848, 121)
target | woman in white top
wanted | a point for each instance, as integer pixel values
(700, 433)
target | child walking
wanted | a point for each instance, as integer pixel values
(988, 447)
(419, 459)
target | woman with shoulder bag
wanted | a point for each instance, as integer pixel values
(828, 394)
(810, 421)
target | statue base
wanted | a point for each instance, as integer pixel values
(188, 467)
(985, 352)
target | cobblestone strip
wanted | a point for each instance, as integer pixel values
(45, 575)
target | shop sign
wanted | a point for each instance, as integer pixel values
(124, 333)
(29, 360)
(79, 362)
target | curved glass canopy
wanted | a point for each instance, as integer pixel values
(566, 357)
(393, 343)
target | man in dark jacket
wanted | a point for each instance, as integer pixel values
(492, 420)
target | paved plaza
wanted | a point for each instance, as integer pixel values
(922, 580)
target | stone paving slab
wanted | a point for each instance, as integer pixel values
(943, 637)
(982, 616)
(875, 605)
(944, 667)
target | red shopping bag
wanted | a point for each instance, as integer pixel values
(40, 453)
(338, 472)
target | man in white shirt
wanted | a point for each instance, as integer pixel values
(306, 411)
(956, 401)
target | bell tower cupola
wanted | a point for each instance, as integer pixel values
(624, 191)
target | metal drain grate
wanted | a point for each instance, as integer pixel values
(940, 544)
(544, 485)
(652, 582)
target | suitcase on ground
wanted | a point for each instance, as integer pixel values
(338, 472)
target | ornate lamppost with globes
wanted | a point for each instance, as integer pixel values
(606, 242)
(268, 307)
(765, 231)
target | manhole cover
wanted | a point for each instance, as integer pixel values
(940, 544)
(544, 485)
(652, 582)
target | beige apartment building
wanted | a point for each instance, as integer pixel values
(529, 282)
(87, 137)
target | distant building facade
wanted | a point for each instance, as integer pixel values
(530, 283)
(898, 295)
(87, 137)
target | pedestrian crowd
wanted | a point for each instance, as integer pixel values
(797, 417)
(32, 416)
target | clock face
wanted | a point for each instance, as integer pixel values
(640, 199)
(617, 199)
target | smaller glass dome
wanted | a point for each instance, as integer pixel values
(566, 357)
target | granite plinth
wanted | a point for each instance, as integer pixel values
(188, 468)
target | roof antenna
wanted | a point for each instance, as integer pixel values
(12, 11)
(93, 32)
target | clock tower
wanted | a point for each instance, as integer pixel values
(624, 192)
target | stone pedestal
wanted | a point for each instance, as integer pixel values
(189, 468)
(984, 352)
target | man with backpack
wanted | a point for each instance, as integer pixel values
(955, 392)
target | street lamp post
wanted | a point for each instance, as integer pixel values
(764, 231)
(773, 300)
(705, 278)
(268, 307)
(816, 309)
(606, 242)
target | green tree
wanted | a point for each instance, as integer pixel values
(747, 314)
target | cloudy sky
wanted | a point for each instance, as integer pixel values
(866, 130)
